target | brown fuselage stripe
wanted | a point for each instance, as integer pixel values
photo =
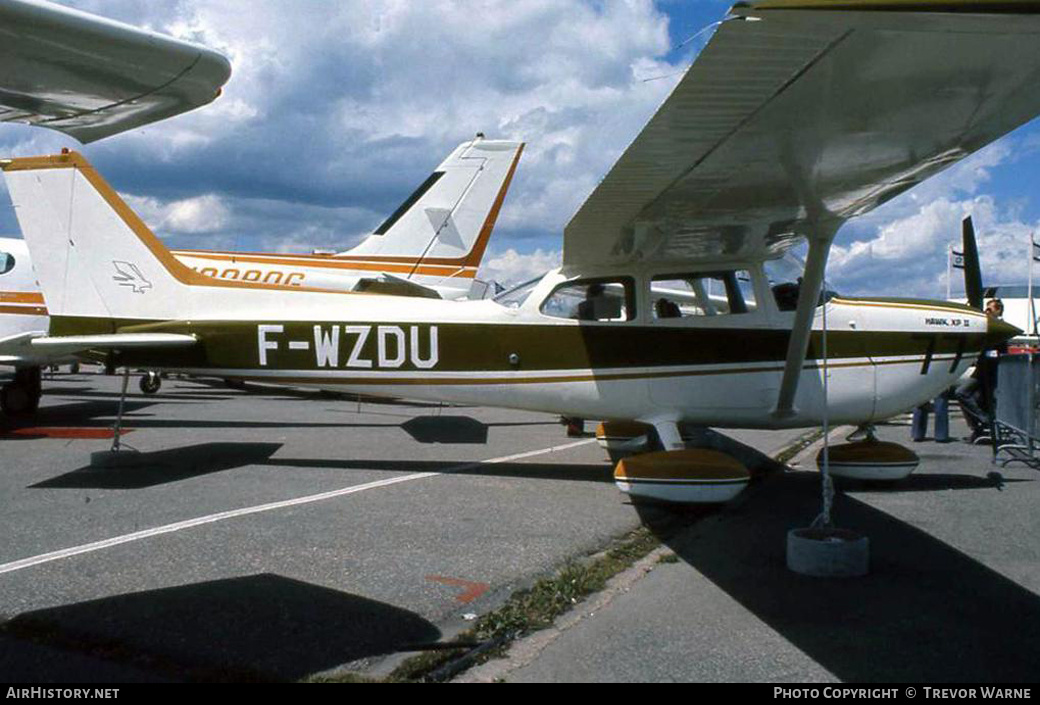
(532, 349)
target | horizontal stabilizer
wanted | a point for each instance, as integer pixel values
(395, 286)
(17, 348)
(69, 344)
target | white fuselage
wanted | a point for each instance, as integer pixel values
(724, 370)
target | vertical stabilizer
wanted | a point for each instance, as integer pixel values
(93, 256)
(449, 218)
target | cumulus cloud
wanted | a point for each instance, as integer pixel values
(901, 248)
(509, 268)
(379, 92)
(203, 214)
(314, 142)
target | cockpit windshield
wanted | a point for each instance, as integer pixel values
(785, 280)
(515, 297)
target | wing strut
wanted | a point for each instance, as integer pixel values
(798, 345)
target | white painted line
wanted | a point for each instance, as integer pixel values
(271, 506)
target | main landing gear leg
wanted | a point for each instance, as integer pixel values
(669, 435)
(21, 396)
(117, 456)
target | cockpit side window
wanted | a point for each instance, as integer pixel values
(727, 292)
(605, 300)
(6, 262)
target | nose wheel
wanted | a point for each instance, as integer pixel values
(150, 383)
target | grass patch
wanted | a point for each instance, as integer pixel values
(531, 609)
(800, 444)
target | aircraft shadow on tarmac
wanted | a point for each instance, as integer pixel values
(925, 612)
(166, 466)
(256, 628)
(456, 429)
(101, 414)
(932, 483)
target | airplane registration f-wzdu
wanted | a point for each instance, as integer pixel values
(672, 307)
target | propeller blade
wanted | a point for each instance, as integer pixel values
(972, 269)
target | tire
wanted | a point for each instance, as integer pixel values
(19, 399)
(150, 383)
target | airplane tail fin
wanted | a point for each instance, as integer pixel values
(972, 269)
(94, 257)
(449, 218)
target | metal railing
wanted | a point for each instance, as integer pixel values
(1016, 429)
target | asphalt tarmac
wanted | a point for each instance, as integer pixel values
(272, 536)
(953, 593)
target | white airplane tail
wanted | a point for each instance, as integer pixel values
(449, 218)
(94, 257)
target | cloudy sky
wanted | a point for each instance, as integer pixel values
(337, 110)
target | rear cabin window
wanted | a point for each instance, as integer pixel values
(515, 297)
(592, 300)
(702, 294)
(6, 262)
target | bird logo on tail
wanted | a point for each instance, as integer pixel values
(127, 274)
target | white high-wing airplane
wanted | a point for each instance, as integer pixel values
(91, 78)
(797, 116)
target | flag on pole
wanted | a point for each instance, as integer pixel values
(1036, 250)
(957, 259)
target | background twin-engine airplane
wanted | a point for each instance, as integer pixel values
(797, 116)
(91, 78)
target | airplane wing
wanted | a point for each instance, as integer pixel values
(91, 77)
(801, 114)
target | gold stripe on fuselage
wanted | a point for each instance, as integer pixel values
(403, 266)
(24, 310)
(285, 377)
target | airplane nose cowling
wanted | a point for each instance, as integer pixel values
(997, 332)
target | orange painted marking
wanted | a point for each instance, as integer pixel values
(471, 590)
(66, 432)
(21, 297)
(24, 310)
